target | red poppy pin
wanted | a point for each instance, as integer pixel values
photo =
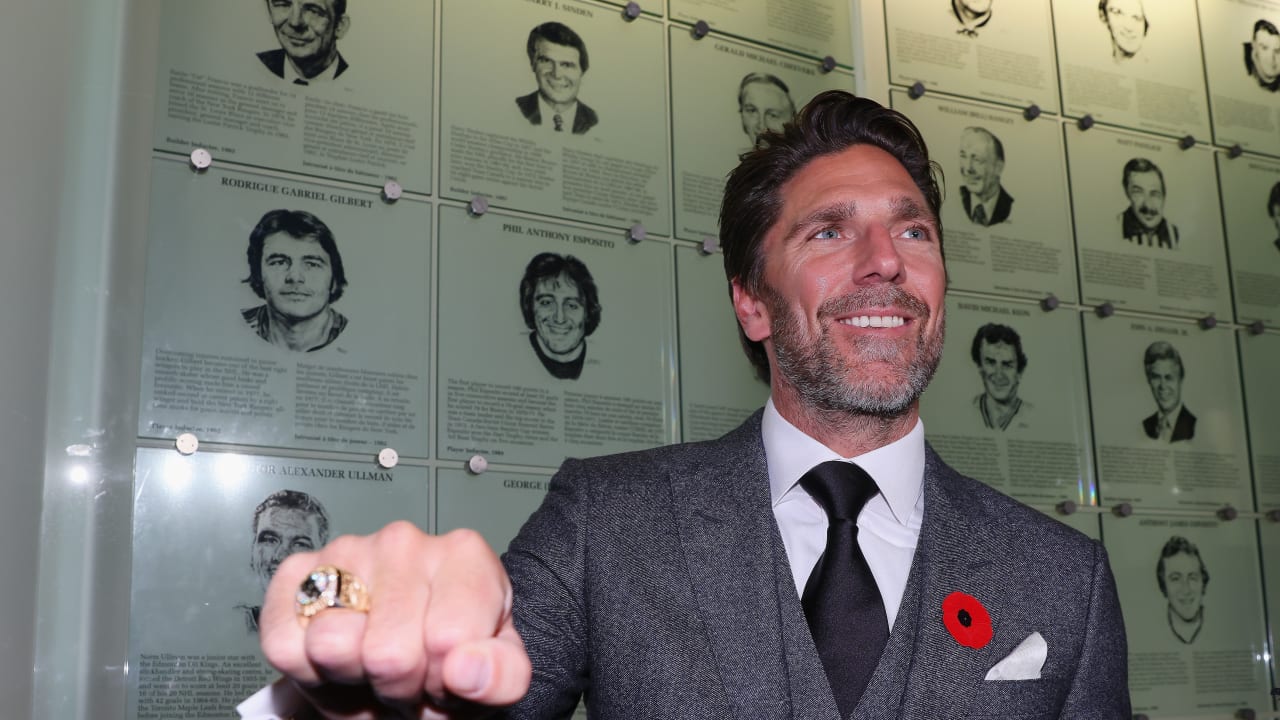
(966, 620)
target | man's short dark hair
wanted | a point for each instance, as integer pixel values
(294, 500)
(1175, 546)
(994, 333)
(767, 79)
(831, 122)
(339, 9)
(1146, 21)
(1161, 350)
(996, 145)
(1266, 26)
(1140, 165)
(551, 265)
(1273, 200)
(298, 224)
(559, 34)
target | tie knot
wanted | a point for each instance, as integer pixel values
(841, 488)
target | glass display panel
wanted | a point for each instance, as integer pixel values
(718, 385)
(1259, 358)
(1242, 62)
(550, 128)
(1005, 211)
(295, 86)
(284, 313)
(813, 27)
(555, 340)
(1191, 594)
(1148, 224)
(1134, 64)
(723, 94)
(1007, 405)
(1168, 424)
(996, 51)
(1251, 208)
(209, 531)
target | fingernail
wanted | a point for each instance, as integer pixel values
(472, 673)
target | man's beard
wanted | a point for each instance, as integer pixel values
(828, 381)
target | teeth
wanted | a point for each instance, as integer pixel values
(885, 321)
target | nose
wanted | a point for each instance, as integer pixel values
(294, 273)
(295, 15)
(876, 258)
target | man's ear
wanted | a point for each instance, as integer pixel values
(753, 314)
(343, 25)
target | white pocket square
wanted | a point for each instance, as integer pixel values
(1024, 663)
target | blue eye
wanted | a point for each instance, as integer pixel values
(916, 234)
(828, 234)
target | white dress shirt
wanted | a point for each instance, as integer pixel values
(889, 524)
(548, 116)
(327, 76)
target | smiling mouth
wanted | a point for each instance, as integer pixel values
(879, 321)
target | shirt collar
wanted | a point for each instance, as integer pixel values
(549, 112)
(291, 73)
(897, 468)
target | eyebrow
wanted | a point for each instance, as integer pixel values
(902, 208)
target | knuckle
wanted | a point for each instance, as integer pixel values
(466, 540)
(400, 533)
(331, 647)
(392, 664)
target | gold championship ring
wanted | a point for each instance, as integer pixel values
(328, 587)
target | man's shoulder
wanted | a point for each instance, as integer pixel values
(528, 103)
(274, 60)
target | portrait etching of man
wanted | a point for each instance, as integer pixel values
(559, 61)
(308, 32)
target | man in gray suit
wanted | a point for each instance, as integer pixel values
(676, 582)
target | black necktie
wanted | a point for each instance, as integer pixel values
(559, 121)
(841, 601)
(980, 215)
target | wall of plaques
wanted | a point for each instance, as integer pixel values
(402, 262)
(1111, 211)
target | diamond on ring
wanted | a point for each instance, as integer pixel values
(326, 587)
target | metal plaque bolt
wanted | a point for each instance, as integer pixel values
(632, 11)
(1208, 322)
(1050, 303)
(1085, 122)
(1105, 310)
(916, 91)
(1257, 327)
(1066, 507)
(700, 29)
(636, 233)
(187, 443)
(709, 245)
(1031, 112)
(1273, 516)
(478, 206)
(477, 464)
(828, 64)
(1235, 151)
(201, 159)
(1246, 714)
(388, 458)
(392, 191)
(1186, 142)
(1123, 510)
(1228, 513)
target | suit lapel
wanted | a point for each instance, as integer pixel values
(956, 555)
(731, 542)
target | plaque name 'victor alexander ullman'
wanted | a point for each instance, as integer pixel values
(209, 532)
(284, 313)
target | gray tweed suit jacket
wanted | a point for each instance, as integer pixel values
(656, 584)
